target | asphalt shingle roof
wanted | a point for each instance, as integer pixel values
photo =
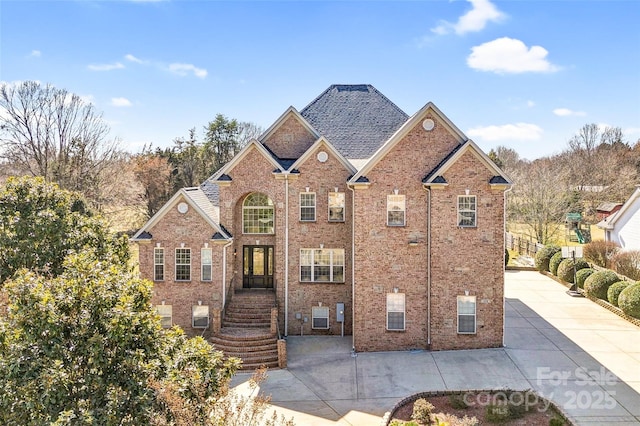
(355, 118)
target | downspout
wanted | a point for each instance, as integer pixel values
(504, 267)
(353, 269)
(428, 267)
(286, 254)
(224, 272)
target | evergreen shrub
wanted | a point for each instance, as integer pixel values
(599, 282)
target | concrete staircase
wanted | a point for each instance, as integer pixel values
(246, 330)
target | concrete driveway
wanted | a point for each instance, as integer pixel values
(570, 350)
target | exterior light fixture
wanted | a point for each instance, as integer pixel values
(395, 289)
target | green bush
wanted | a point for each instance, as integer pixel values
(614, 291)
(565, 269)
(629, 300)
(599, 282)
(627, 263)
(457, 401)
(582, 275)
(554, 262)
(556, 421)
(422, 410)
(543, 256)
(600, 252)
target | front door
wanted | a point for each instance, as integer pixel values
(257, 265)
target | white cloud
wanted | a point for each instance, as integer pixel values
(130, 57)
(120, 102)
(87, 99)
(566, 112)
(105, 67)
(531, 104)
(185, 69)
(508, 55)
(482, 12)
(507, 132)
(35, 54)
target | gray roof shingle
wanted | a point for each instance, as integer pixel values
(355, 118)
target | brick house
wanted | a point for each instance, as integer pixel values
(357, 218)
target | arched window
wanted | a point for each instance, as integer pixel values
(257, 214)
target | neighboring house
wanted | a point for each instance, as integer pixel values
(623, 227)
(348, 201)
(605, 210)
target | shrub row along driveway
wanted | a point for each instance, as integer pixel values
(583, 357)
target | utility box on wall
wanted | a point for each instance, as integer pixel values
(340, 312)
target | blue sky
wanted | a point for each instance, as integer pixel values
(523, 74)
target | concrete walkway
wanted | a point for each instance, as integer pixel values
(583, 357)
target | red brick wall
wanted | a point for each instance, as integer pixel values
(290, 140)
(384, 259)
(170, 232)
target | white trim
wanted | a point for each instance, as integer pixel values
(315, 206)
(273, 216)
(402, 298)
(164, 270)
(474, 211)
(201, 316)
(253, 144)
(323, 309)
(401, 198)
(474, 315)
(332, 264)
(343, 206)
(322, 142)
(202, 264)
(413, 121)
(181, 195)
(291, 111)
(175, 263)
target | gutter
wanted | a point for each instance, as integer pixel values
(428, 267)
(353, 269)
(504, 233)
(286, 255)
(224, 272)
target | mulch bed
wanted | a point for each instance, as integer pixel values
(538, 413)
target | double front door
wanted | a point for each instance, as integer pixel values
(257, 265)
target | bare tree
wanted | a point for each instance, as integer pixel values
(49, 132)
(540, 198)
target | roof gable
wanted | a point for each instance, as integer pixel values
(197, 200)
(415, 120)
(290, 136)
(499, 179)
(610, 222)
(322, 142)
(356, 118)
(253, 144)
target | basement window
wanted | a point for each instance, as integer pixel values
(200, 316)
(166, 315)
(320, 317)
(466, 314)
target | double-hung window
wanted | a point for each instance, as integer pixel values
(395, 311)
(336, 207)
(183, 264)
(257, 214)
(467, 211)
(307, 206)
(322, 265)
(467, 314)
(158, 264)
(320, 317)
(200, 316)
(206, 263)
(166, 315)
(396, 208)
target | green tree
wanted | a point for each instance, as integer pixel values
(40, 224)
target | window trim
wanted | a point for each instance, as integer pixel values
(342, 206)
(164, 316)
(333, 263)
(203, 264)
(314, 207)
(157, 250)
(269, 207)
(403, 311)
(399, 198)
(474, 315)
(195, 308)
(182, 264)
(474, 210)
(315, 309)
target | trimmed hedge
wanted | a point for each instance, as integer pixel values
(614, 291)
(582, 275)
(599, 282)
(543, 256)
(629, 300)
(554, 262)
(565, 269)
